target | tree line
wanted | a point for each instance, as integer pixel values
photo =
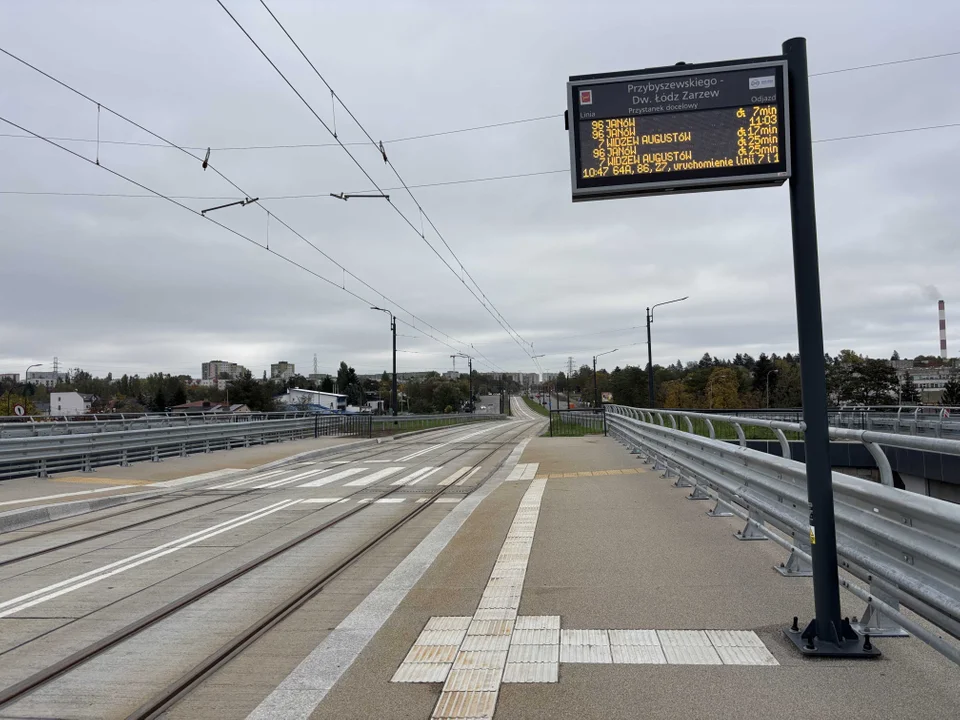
(748, 382)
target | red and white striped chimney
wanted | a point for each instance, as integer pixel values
(943, 332)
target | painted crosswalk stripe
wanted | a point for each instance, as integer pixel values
(291, 479)
(469, 475)
(324, 501)
(349, 472)
(374, 477)
(416, 476)
(456, 476)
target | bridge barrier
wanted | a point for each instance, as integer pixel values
(64, 451)
(905, 546)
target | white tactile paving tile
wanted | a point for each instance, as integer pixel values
(746, 656)
(421, 673)
(535, 637)
(448, 622)
(691, 655)
(465, 705)
(633, 637)
(537, 622)
(734, 638)
(480, 659)
(637, 654)
(432, 654)
(496, 643)
(533, 654)
(475, 680)
(531, 673)
(441, 637)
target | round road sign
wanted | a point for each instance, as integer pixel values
(19, 410)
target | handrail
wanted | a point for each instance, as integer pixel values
(906, 546)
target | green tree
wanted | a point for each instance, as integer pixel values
(159, 403)
(326, 385)
(179, 396)
(349, 385)
(951, 393)
(722, 389)
(909, 394)
(258, 396)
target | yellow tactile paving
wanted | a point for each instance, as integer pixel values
(591, 473)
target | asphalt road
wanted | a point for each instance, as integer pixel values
(66, 586)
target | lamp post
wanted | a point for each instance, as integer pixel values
(650, 388)
(596, 394)
(469, 379)
(769, 372)
(393, 387)
(25, 372)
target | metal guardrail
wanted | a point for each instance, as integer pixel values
(926, 420)
(40, 455)
(906, 546)
(581, 421)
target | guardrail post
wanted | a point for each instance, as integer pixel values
(156, 454)
(699, 493)
(689, 424)
(750, 530)
(784, 445)
(681, 481)
(883, 462)
(877, 623)
(673, 421)
(123, 458)
(719, 510)
(183, 449)
(710, 429)
(741, 438)
(796, 565)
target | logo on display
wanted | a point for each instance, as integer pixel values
(759, 83)
(586, 97)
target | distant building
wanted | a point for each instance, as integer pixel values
(218, 383)
(313, 400)
(525, 380)
(282, 370)
(47, 379)
(215, 368)
(70, 403)
(452, 375)
(15, 377)
(549, 377)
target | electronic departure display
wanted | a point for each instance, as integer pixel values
(680, 129)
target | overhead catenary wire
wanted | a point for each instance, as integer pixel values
(171, 144)
(442, 133)
(221, 225)
(441, 183)
(488, 306)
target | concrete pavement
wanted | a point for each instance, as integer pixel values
(59, 595)
(618, 561)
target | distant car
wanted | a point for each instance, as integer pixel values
(483, 407)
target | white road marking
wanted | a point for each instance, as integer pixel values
(469, 475)
(255, 478)
(349, 472)
(212, 475)
(325, 501)
(15, 605)
(459, 438)
(456, 476)
(375, 477)
(63, 495)
(291, 479)
(523, 471)
(416, 476)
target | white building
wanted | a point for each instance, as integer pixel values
(47, 379)
(549, 377)
(70, 403)
(328, 401)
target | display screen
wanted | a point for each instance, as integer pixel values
(707, 129)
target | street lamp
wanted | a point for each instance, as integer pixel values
(469, 379)
(596, 394)
(25, 372)
(768, 386)
(393, 329)
(653, 401)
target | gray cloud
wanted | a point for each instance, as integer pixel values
(134, 285)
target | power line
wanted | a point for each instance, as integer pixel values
(349, 154)
(509, 328)
(234, 185)
(225, 227)
(426, 136)
(884, 64)
(442, 183)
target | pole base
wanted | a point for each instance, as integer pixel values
(851, 646)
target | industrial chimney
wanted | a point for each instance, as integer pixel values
(943, 333)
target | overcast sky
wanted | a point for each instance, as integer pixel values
(134, 285)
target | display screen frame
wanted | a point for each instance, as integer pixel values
(706, 179)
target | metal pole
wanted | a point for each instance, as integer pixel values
(596, 397)
(827, 633)
(470, 383)
(393, 389)
(652, 399)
